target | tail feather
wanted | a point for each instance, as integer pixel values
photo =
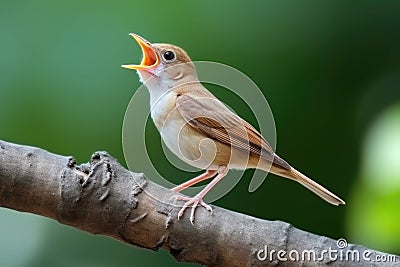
(282, 168)
(315, 187)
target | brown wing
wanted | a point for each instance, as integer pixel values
(211, 117)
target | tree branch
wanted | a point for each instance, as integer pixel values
(102, 197)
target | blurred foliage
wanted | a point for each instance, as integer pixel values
(328, 70)
(375, 200)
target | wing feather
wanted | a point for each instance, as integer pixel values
(214, 119)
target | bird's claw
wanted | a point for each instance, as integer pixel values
(193, 202)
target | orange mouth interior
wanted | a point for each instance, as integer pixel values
(150, 59)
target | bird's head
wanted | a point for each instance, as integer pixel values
(163, 65)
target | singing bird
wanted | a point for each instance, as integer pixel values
(201, 130)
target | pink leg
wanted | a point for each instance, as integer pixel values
(198, 199)
(208, 174)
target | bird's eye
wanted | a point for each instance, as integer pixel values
(169, 55)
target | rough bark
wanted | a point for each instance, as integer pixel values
(102, 197)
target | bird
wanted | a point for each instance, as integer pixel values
(201, 130)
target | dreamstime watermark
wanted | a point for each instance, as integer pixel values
(136, 137)
(339, 253)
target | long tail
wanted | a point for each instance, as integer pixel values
(281, 168)
(315, 187)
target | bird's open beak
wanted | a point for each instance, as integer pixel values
(150, 59)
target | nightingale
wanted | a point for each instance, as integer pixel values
(201, 130)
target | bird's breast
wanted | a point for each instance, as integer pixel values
(183, 140)
(162, 108)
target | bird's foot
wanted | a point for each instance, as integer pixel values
(192, 202)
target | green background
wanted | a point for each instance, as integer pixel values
(330, 71)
